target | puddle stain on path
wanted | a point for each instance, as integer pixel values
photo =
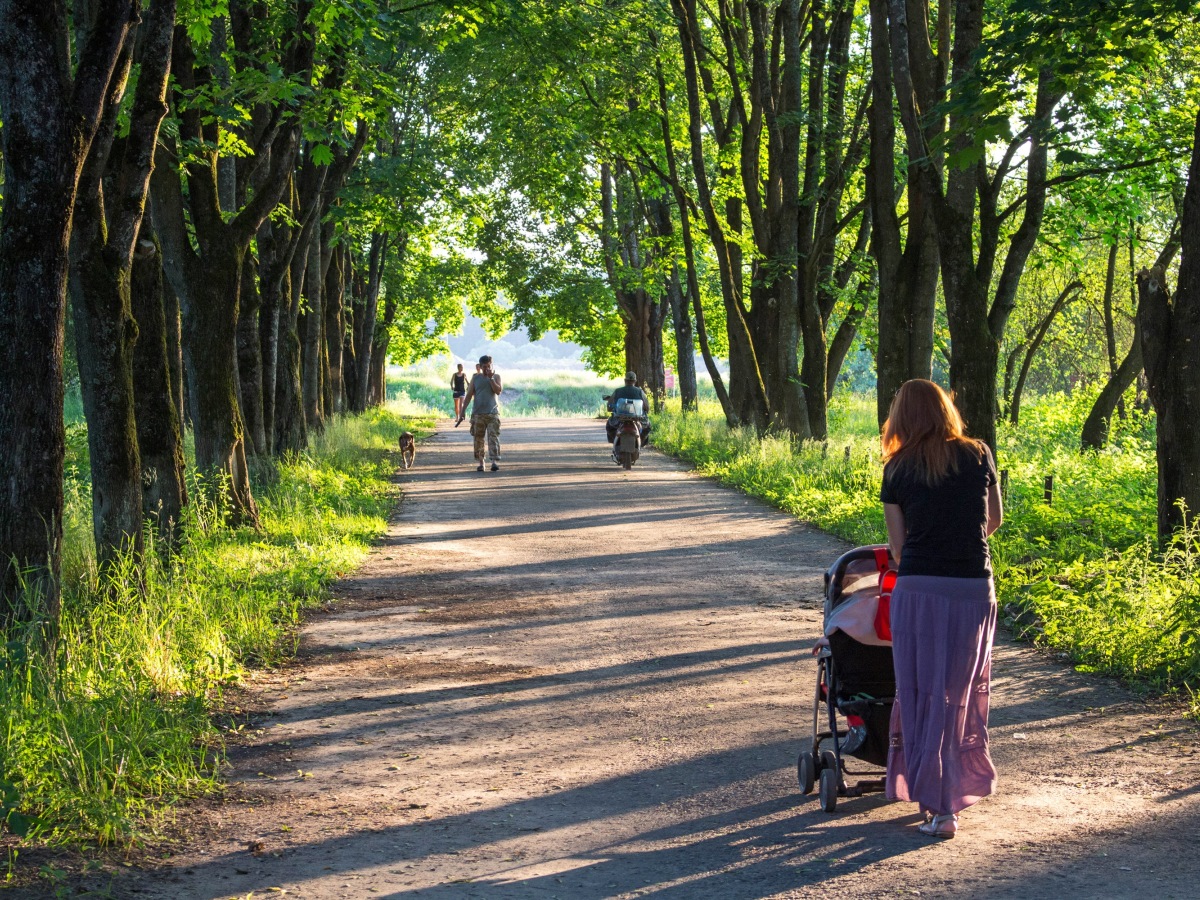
(562, 680)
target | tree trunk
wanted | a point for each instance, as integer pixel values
(693, 281)
(794, 320)
(843, 338)
(350, 374)
(50, 120)
(1069, 293)
(274, 249)
(312, 338)
(685, 352)
(662, 225)
(210, 324)
(1170, 338)
(174, 327)
(626, 262)
(1171, 349)
(907, 269)
(377, 377)
(109, 208)
(747, 390)
(250, 362)
(364, 322)
(159, 434)
(291, 433)
(105, 333)
(209, 272)
(335, 328)
(1095, 430)
(1110, 328)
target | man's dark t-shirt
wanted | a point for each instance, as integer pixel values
(947, 523)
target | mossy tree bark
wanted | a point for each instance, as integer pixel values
(52, 112)
(250, 360)
(159, 428)
(105, 230)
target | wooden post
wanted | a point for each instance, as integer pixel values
(1049, 490)
(1004, 484)
(847, 453)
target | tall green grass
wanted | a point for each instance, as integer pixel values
(100, 739)
(1081, 575)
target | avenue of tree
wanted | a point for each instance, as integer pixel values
(228, 216)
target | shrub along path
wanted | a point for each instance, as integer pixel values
(561, 680)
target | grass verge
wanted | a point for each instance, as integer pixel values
(98, 741)
(1080, 575)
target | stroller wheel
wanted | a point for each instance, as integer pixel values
(829, 762)
(829, 789)
(806, 772)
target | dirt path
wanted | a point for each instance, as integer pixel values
(563, 681)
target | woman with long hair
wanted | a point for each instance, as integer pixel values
(941, 501)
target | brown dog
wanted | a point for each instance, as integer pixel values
(408, 449)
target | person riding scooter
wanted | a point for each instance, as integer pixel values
(629, 392)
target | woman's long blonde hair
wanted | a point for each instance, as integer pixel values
(923, 432)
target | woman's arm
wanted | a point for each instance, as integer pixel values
(896, 528)
(995, 509)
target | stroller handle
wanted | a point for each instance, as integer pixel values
(858, 553)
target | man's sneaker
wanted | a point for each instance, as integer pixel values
(479, 468)
(495, 468)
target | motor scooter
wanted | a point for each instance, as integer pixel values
(626, 424)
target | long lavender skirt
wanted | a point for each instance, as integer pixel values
(942, 631)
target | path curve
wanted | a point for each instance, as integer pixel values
(562, 680)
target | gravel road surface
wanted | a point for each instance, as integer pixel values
(562, 680)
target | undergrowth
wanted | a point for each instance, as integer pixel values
(101, 738)
(1081, 575)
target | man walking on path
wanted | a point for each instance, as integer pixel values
(484, 388)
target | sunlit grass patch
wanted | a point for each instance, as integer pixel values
(1078, 574)
(100, 739)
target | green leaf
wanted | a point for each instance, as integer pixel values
(19, 823)
(321, 155)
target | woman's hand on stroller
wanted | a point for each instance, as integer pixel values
(820, 645)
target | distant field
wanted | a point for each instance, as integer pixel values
(527, 394)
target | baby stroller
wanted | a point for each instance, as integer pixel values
(854, 677)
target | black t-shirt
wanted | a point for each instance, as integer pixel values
(458, 383)
(947, 524)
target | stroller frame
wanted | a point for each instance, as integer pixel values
(827, 768)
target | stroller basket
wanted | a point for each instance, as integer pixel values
(855, 678)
